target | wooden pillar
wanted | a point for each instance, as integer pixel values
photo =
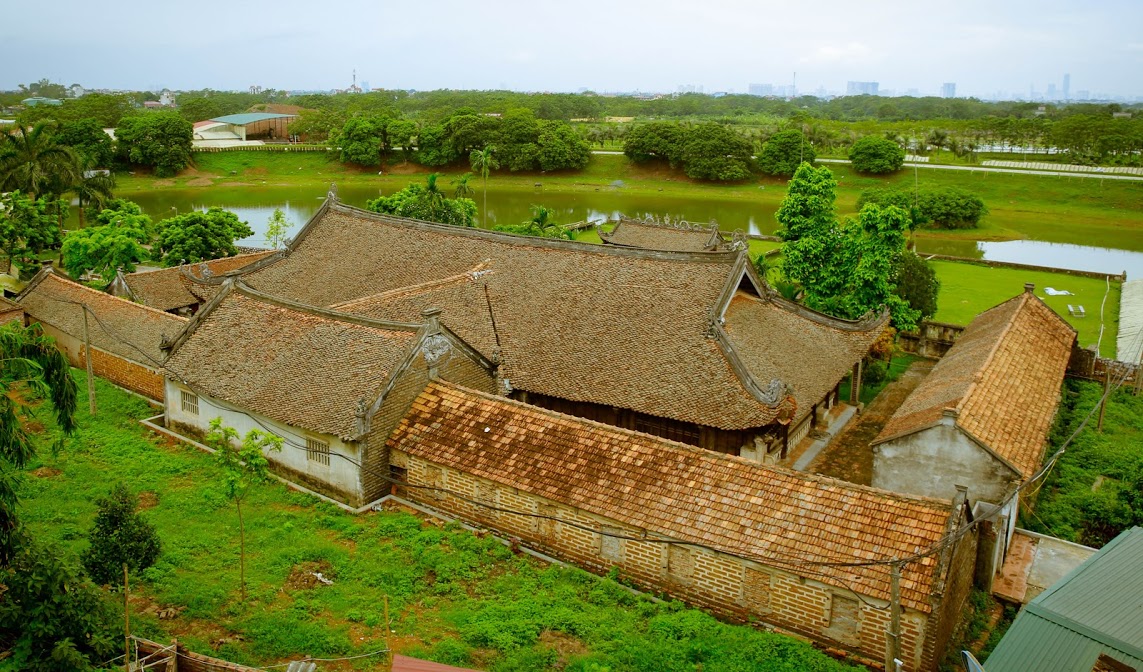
(855, 384)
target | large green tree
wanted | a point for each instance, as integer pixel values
(158, 139)
(27, 228)
(917, 284)
(784, 152)
(94, 146)
(876, 155)
(199, 236)
(361, 141)
(34, 162)
(561, 148)
(116, 242)
(714, 152)
(656, 141)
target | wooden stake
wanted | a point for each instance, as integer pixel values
(893, 634)
(1103, 401)
(126, 616)
(87, 358)
(1138, 374)
(388, 643)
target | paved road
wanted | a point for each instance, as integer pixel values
(1042, 173)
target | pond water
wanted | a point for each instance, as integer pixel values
(256, 204)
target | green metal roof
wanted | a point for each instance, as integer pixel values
(1097, 608)
(250, 118)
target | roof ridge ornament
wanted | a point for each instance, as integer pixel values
(774, 393)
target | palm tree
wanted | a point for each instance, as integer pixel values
(33, 163)
(483, 161)
(433, 193)
(93, 189)
(463, 189)
(542, 222)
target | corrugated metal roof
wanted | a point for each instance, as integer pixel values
(1097, 608)
(250, 117)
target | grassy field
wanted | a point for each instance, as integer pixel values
(968, 289)
(455, 596)
(1055, 209)
(1094, 491)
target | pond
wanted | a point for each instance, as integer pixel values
(256, 204)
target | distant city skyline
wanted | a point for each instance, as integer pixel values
(987, 48)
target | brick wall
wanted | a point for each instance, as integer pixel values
(731, 587)
(958, 567)
(123, 372)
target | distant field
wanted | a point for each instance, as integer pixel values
(968, 289)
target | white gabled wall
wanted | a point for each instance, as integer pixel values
(341, 479)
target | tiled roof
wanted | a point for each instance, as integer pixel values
(1002, 378)
(123, 328)
(633, 233)
(306, 368)
(462, 298)
(170, 288)
(782, 518)
(811, 355)
(593, 323)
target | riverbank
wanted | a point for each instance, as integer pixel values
(1051, 209)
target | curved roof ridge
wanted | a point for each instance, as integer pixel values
(470, 275)
(319, 311)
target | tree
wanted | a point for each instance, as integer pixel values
(35, 163)
(120, 536)
(540, 225)
(483, 161)
(276, 229)
(199, 236)
(158, 139)
(656, 141)
(117, 242)
(93, 146)
(784, 152)
(844, 270)
(27, 228)
(917, 284)
(30, 366)
(876, 155)
(427, 202)
(361, 140)
(92, 189)
(462, 187)
(243, 466)
(52, 618)
(714, 152)
(561, 148)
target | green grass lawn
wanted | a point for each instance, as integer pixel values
(1094, 491)
(968, 289)
(869, 391)
(1055, 209)
(455, 597)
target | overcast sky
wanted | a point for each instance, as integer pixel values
(984, 46)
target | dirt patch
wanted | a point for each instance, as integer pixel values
(564, 645)
(162, 184)
(148, 500)
(34, 427)
(200, 182)
(46, 472)
(256, 170)
(302, 576)
(405, 168)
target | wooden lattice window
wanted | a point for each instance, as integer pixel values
(189, 402)
(317, 451)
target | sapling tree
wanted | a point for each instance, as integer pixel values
(244, 464)
(276, 229)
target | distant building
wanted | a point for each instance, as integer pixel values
(365, 86)
(948, 90)
(861, 88)
(1051, 94)
(76, 91)
(40, 100)
(167, 98)
(1067, 86)
(761, 89)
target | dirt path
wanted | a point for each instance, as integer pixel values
(849, 456)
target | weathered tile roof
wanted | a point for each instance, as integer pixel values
(782, 518)
(171, 288)
(1002, 378)
(650, 236)
(610, 325)
(304, 367)
(811, 354)
(464, 300)
(124, 328)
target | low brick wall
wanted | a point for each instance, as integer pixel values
(1118, 277)
(125, 373)
(932, 339)
(187, 661)
(731, 587)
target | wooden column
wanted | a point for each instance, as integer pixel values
(855, 384)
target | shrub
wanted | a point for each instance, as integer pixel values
(875, 373)
(120, 536)
(918, 284)
(784, 152)
(952, 208)
(876, 155)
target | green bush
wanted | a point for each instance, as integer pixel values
(784, 152)
(120, 536)
(943, 208)
(876, 155)
(875, 373)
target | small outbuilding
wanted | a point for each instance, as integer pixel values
(1089, 621)
(245, 126)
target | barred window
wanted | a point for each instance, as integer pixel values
(189, 402)
(317, 451)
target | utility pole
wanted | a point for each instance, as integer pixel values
(388, 640)
(893, 634)
(126, 624)
(87, 358)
